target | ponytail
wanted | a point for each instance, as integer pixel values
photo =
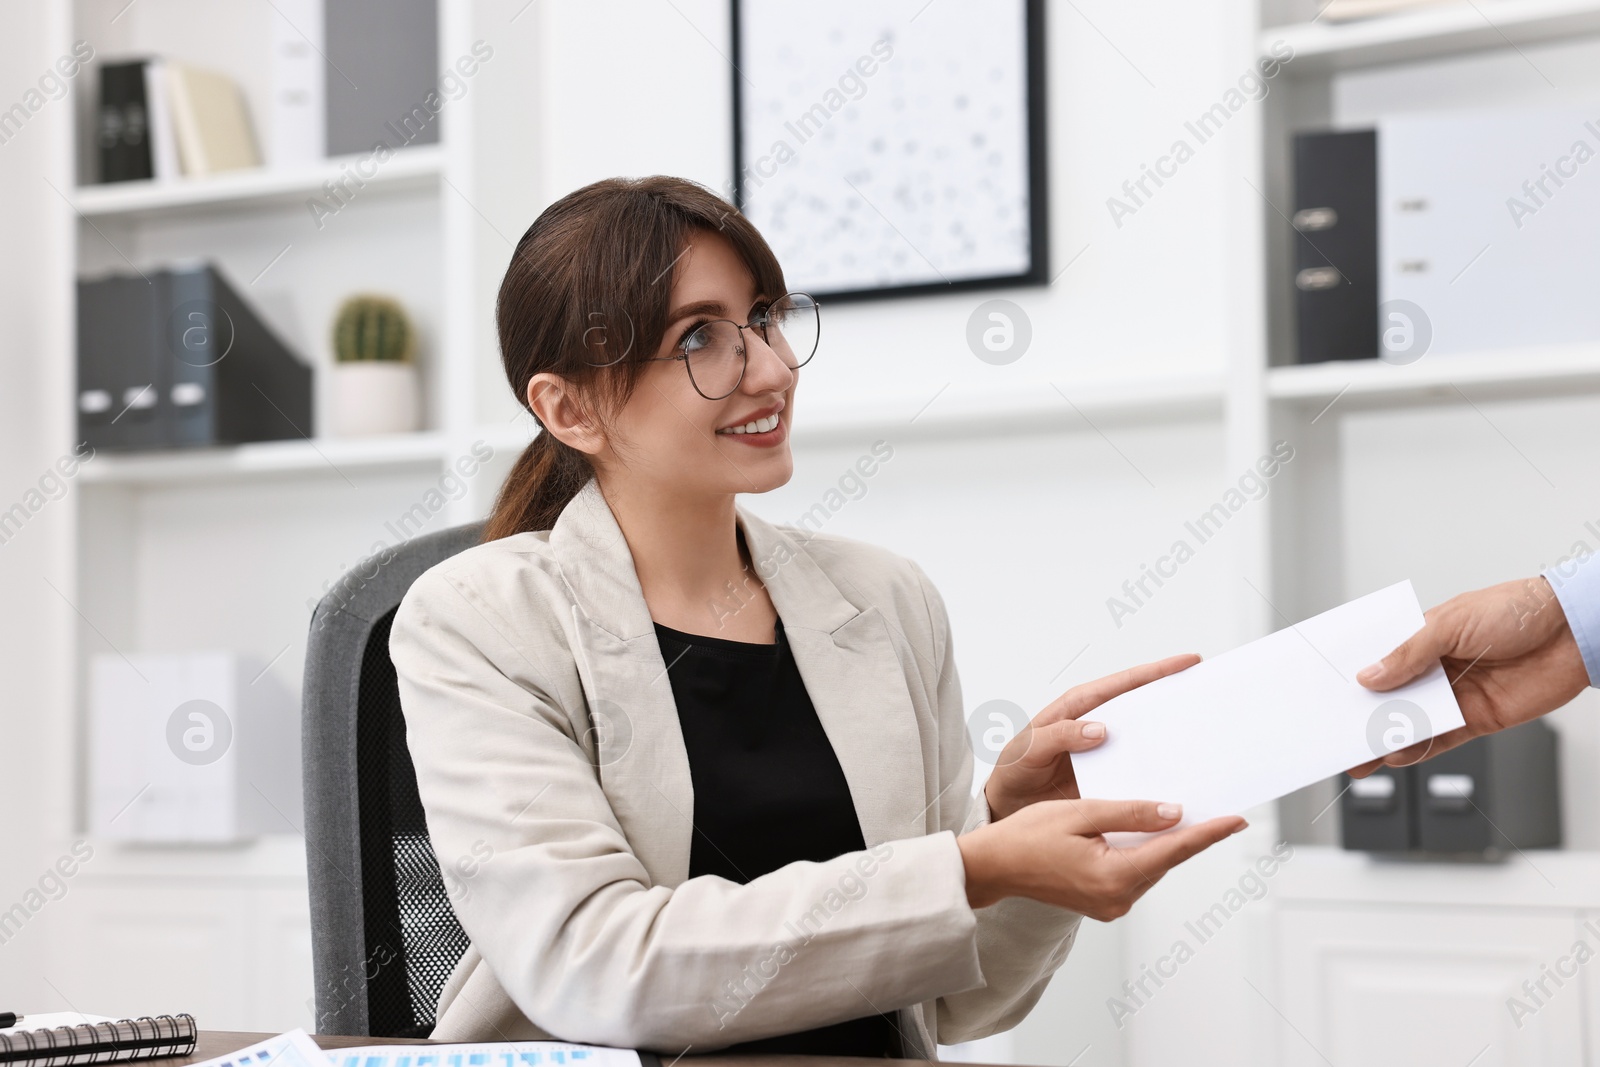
(542, 482)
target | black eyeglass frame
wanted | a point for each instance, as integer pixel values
(759, 323)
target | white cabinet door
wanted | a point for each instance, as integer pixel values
(151, 949)
(282, 995)
(1412, 985)
(212, 934)
(1589, 931)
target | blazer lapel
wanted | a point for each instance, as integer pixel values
(855, 679)
(638, 746)
(845, 655)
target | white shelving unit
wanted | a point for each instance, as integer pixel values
(304, 458)
(1324, 48)
(1425, 55)
(412, 169)
(1522, 372)
(1344, 921)
(169, 545)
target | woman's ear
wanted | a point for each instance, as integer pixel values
(551, 398)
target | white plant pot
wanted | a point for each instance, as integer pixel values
(374, 397)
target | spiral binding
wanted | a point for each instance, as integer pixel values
(124, 1039)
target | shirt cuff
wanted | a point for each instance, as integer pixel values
(1577, 586)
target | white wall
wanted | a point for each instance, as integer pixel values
(1143, 299)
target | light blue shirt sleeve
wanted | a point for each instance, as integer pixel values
(1578, 590)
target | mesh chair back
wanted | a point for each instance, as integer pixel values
(384, 937)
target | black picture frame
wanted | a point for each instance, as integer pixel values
(1038, 272)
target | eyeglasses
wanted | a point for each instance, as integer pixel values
(714, 352)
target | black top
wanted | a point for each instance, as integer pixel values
(768, 790)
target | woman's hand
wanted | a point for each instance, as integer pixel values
(1053, 851)
(1036, 765)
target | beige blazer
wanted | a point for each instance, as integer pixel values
(557, 790)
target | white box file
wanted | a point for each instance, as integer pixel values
(192, 747)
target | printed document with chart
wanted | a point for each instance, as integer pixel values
(296, 1049)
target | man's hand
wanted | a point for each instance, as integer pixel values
(1037, 764)
(1509, 654)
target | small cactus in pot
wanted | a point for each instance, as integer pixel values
(372, 327)
(375, 379)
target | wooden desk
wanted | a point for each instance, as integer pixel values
(213, 1043)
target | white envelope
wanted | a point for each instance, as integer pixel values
(1270, 717)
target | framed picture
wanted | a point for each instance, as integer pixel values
(886, 149)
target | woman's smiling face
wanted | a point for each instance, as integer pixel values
(670, 433)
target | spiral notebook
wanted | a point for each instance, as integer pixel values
(98, 1042)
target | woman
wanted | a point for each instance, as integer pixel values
(701, 781)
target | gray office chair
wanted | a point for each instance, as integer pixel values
(383, 935)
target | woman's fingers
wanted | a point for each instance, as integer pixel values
(1053, 851)
(1040, 745)
(1090, 817)
(1157, 856)
(1090, 695)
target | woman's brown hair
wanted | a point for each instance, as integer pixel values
(586, 297)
